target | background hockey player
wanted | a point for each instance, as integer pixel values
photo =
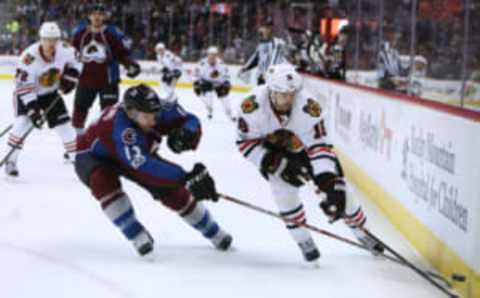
(211, 79)
(281, 130)
(122, 143)
(101, 48)
(171, 67)
(43, 69)
(270, 51)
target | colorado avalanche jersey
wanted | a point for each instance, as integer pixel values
(217, 73)
(36, 75)
(114, 137)
(257, 119)
(101, 52)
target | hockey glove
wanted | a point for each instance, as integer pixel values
(197, 88)
(176, 74)
(182, 139)
(69, 80)
(297, 170)
(133, 69)
(35, 113)
(201, 184)
(335, 202)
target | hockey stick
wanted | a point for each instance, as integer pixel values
(426, 274)
(410, 265)
(30, 129)
(6, 130)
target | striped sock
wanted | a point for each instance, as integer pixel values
(200, 219)
(120, 211)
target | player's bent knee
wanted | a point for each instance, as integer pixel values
(179, 200)
(103, 181)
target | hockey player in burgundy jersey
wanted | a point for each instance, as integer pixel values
(101, 48)
(123, 143)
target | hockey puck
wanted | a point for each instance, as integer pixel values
(458, 277)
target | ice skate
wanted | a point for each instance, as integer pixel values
(143, 243)
(11, 169)
(372, 245)
(222, 240)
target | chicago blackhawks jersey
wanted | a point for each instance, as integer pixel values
(217, 73)
(170, 61)
(257, 119)
(36, 75)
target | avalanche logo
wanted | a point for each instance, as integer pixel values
(312, 108)
(249, 105)
(129, 136)
(94, 52)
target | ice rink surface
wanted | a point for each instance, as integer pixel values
(56, 242)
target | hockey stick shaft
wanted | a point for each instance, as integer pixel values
(325, 233)
(30, 129)
(410, 265)
(7, 129)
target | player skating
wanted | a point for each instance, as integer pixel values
(212, 80)
(281, 130)
(43, 69)
(171, 68)
(123, 142)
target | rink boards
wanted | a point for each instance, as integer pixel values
(417, 161)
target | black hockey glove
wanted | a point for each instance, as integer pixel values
(334, 204)
(206, 86)
(182, 139)
(201, 184)
(133, 69)
(197, 88)
(176, 74)
(69, 79)
(294, 169)
(35, 113)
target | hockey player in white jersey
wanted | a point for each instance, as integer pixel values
(43, 69)
(171, 67)
(212, 79)
(281, 131)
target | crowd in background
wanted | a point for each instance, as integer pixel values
(188, 27)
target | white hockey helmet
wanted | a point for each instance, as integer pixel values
(212, 50)
(283, 78)
(50, 30)
(160, 46)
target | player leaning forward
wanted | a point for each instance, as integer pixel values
(123, 142)
(281, 131)
(43, 69)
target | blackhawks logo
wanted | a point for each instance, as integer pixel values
(249, 105)
(50, 77)
(28, 59)
(312, 108)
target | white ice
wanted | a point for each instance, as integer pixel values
(56, 242)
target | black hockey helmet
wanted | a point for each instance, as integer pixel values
(141, 98)
(96, 6)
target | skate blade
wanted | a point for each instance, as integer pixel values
(149, 257)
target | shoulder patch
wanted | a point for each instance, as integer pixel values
(28, 59)
(249, 104)
(312, 108)
(129, 136)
